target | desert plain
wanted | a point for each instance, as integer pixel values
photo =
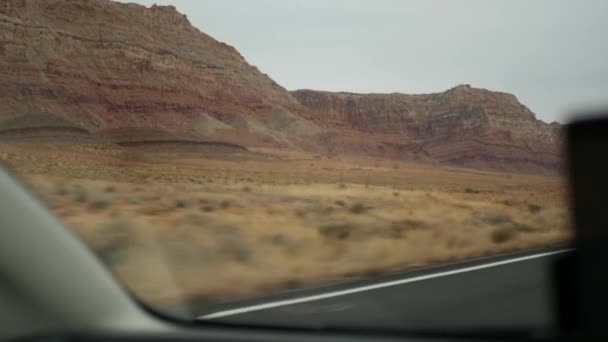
(189, 224)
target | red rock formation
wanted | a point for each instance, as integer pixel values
(109, 67)
(462, 126)
(103, 64)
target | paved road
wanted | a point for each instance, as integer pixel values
(498, 292)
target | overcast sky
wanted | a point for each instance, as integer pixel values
(552, 54)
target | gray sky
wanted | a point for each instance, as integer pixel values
(552, 54)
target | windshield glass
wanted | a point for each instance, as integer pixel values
(307, 163)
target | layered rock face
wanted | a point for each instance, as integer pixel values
(463, 126)
(97, 68)
(103, 65)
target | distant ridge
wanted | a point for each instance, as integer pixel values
(152, 71)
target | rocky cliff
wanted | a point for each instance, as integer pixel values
(103, 65)
(462, 126)
(97, 67)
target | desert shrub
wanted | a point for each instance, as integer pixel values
(339, 231)
(225, 204)
(61, 189)
(99, 204)
(246, 189)
(207, 208)
(81, 195)
(503, 234)
(274, 239)
(134, 200)
(534, 208)
(289, 245)
(497, 219)
(341, 186)
(301, 213)
(406, 225)
(109, 189)
(180, 203)
(508, 202)
(340, 203)
(232, 246)
(395, 193)
(470, 190)
(327, 210)
(358, 208)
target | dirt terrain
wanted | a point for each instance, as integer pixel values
(209, 222)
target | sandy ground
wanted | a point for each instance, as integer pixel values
(182, 228)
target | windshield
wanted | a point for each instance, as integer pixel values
(382, 164)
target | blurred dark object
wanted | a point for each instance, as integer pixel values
(583, 277)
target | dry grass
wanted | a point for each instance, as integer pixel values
(190, 229)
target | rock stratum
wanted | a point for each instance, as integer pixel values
(106, 65)
(98, 67)
(462, 126)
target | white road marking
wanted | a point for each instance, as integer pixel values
(376, 286)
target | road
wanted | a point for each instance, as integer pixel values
(496, 292)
